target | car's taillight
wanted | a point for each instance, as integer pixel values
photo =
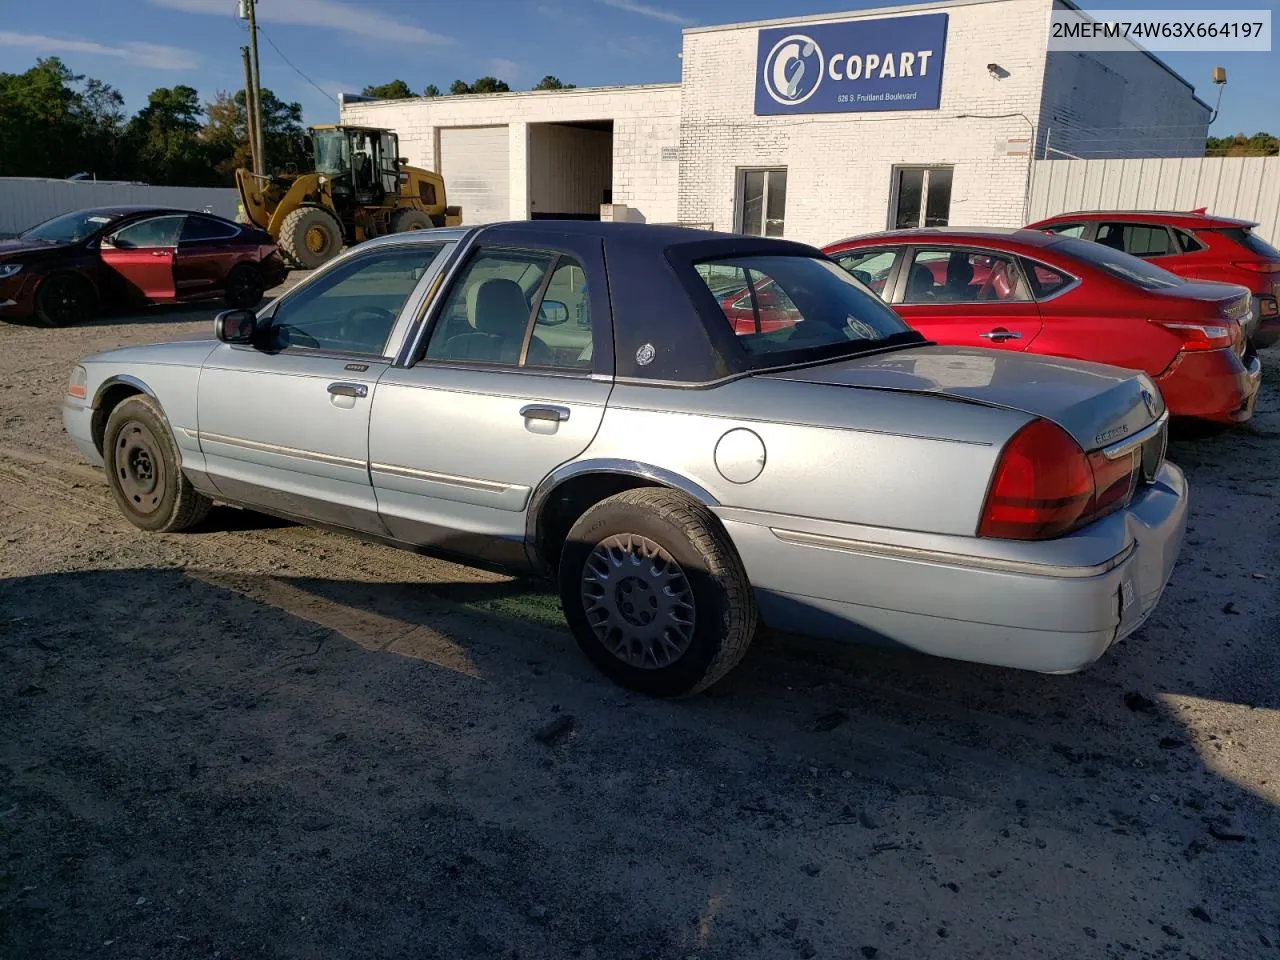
(1268, 307)
(1258, 266)
(1045, 485)
(1202, 336)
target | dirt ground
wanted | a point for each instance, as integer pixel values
(258, 740)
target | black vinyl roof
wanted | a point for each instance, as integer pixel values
(667, 326)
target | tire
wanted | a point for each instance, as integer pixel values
(309, 236)
(244, 286)
(143, 469)
(409, 219)
(694, 584)
(63, 299)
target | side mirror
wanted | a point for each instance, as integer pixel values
(235, 326)
(108, 243)
(552, 312)
(403, 161)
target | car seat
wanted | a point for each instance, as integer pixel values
(499, 315)
(919, 284)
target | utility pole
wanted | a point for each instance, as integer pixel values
(250, 110)
(248, 12)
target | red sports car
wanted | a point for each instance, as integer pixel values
(1194, 245)
(67, 269)
(1066, 297)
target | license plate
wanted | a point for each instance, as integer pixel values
(1126, 596)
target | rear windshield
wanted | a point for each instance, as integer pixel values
(1251, 242)
(788, 309)
(1121, 265)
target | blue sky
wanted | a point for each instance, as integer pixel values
(138, 45)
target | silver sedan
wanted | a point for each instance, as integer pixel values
(690, 432)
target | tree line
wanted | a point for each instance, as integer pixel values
(57, 123)
(399, 90)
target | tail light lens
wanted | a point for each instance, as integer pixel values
(1258, 266)
(1202, 336)
(1046, 486)
(1268, 307)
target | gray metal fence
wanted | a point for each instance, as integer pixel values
(1245, 187)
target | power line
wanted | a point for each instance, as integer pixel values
(267, 37)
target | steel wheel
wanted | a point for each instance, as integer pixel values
(140, 467)
(638, 601)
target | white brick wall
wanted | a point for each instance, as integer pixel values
(646, 118)
(839, 166)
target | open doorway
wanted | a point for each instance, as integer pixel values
(570, 169)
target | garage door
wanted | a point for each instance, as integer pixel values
(473, 161)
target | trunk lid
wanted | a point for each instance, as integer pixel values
(1222, 300)
(1098, 405)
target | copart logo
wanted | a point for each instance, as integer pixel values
(793, 69)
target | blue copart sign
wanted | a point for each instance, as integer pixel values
(855, 65)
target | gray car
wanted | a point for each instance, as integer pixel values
(601, 403)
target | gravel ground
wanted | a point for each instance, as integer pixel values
(259, 740)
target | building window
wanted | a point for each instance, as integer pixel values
(921, 197)
(762, 204)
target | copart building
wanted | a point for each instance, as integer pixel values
(810, 128)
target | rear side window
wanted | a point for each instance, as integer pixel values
(1045, 280)
(1187, 242)
(1252, 242)
(206, 228)
(785, 305)
(1138, 239)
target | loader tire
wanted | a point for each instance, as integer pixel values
(310, 236)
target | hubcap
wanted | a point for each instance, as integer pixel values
(316, 239)
(139, 467)
(638, 601)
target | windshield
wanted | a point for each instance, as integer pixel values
(1122, 266)
(332, 153)
(70, 227)
(796, 309)
(1252, 242)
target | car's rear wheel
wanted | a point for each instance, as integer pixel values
(244, 286)
(655, 594)
(63, 299)
(143, 470)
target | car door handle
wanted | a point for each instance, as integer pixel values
(160, 253)
(1000, 334)
(539, 412)
(352, 390)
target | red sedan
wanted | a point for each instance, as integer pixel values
(1066, 297)
(67, 269)
(1195, 245)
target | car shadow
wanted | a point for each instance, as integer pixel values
(382, 757)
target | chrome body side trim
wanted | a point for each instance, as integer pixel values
(280, 450)
(471, 483)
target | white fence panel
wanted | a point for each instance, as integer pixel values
(1245, 187)
(25, 201)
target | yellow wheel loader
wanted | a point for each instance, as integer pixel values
(360, 187)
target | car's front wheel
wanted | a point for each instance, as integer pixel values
(63, 299)
(655, 594)
(143, 469)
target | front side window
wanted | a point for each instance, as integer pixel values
(352, 308)
(921, 197)
(762, 210)
(156, 232)
(1138, 239)
(872, 268)
(796, 308)
(1066, 229)
(964, 276)
(490, 315)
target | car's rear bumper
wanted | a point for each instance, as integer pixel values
(1268, 332)
(1053, 606)
(1214, 385)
